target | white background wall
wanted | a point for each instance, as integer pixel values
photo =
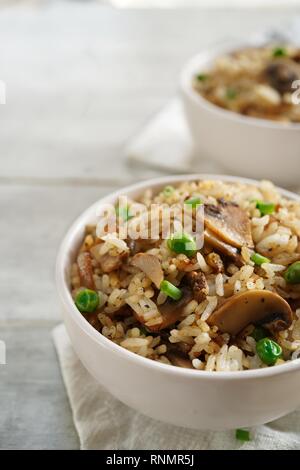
(165, 3)
(202, 3)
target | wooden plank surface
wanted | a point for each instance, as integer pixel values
(35, 412)
(80, 81)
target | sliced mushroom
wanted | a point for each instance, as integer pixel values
(179, 360)
(229, 223)
(294, 303)
(150, 265)
(109, 263)
(140, 245)
(258, 307)
(296, 57)
(85, 268)
(123, 312)
(171, 311)
(198, 283)
(93, 319)
(281, 74)
(184, 348)
(223, 247)
(220, 340)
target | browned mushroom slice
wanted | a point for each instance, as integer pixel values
(93, 319)
(171, 311)
(109, 263)
(124, 312)
(141, 245)
(294, 303)
(296, 56)
(198, 283)
(281, 74)
(252, 307)
(223, 247)
(85, 268)
(229, 223)
(150, 265)
(179, 360)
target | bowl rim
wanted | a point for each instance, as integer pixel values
(198, 62)
(69, 305)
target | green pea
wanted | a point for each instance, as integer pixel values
(170, 290)
(292, 274)
(259, 333)
(279, 52)
(193, 202)
(259, 259)
(265, 207)
(87, 300)
(268, 350)
(184, 243)
(201, 77)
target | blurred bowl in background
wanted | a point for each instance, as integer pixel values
(252, 147)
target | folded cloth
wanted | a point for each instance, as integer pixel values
(165, 143)
(102, 422)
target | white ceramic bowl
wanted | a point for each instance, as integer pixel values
(256, 148)
(184, 397)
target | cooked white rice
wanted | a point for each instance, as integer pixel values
(130, 305)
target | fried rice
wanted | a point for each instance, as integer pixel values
(192, 332)
(259, 82)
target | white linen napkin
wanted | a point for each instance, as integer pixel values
(165, 143)
(103, 422)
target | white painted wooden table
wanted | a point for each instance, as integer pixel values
(80, 81)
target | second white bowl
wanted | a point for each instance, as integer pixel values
(247, 146)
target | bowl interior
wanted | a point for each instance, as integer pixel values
(68, 251)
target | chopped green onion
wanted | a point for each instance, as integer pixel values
(168, 191)
(242, 435)
(292, 274)
(170, 290)
(259, 333)
(123, 213)
(279, 52)
(193, 202)
(268, 351)
(265, 207)
(182, 243)
(259, 259)
(202, 77)
(87, 300)
(231, 93)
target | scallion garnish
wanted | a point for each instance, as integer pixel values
(170, 290)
